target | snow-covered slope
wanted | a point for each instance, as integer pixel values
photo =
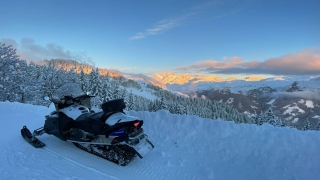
(186, 147)
(144, 79)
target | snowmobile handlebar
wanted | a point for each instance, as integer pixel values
(77, 98)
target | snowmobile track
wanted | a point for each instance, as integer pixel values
(121, 162)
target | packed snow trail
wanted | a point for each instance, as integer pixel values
(186, 147)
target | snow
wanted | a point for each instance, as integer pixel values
(144, 92)
(295, 120)
(230, 100)
(309, 104)
(271, 101)
(186, 147)
(316, 116)
(291, 108)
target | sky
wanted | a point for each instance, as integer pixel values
(210, 37)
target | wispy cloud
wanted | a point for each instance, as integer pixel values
(170, 23)
(29, 50)
(304, 62)
(301, 94)
(161, 26)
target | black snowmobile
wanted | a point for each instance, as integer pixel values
(110, 134)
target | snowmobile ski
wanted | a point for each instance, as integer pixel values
(31, 139)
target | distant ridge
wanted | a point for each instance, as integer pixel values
(171, 78)
(67, 65)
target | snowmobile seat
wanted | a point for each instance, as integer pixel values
(105, 116)
(113, 105)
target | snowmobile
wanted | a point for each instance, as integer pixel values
(110, 134)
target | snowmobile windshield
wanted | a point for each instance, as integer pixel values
(86, 102)
(68, 100)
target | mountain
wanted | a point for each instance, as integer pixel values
(186, 147)
(67, 65)
(171, 78)
(294, 99)
(143, 78)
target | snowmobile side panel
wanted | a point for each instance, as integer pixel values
(57, 124)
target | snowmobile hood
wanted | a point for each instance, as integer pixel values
(74, 111)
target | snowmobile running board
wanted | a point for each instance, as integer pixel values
(30, 138)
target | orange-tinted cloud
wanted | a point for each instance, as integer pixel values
(304, 62)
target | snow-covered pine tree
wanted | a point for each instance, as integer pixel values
(260, 119)
(100, 89)
(84, 84)
(93, 81)
(115, 90)
(306, 125)
(32, 86)
(12, 69)
(318, 126)
(130, 102)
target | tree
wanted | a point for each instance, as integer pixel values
(84, 84)
(130, 102)
(52, 79)
(162, 103)
(93, 82)
(12, 69)
(318, 126)
(306, 125)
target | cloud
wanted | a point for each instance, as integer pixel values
(28, 50)
(205, 5)
(161, 27)
(170, 23)
(9, 41)
(304, 62)
(301, 94)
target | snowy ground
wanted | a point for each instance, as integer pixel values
(186, 147)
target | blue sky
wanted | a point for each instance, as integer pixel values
(228, 38)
